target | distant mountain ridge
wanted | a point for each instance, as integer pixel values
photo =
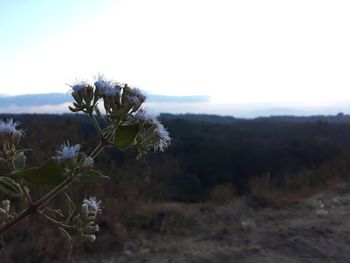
(60, 98)
(208, 118)
(56, 103)
(340, 118)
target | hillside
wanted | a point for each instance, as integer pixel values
(229, 190)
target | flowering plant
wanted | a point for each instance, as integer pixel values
(127, 124)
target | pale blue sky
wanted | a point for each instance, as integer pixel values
(237, 52)
(26, 25)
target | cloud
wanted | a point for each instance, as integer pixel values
(29, 100)
(57, 103)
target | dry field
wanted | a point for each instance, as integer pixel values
(316, 229)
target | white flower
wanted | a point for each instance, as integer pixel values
(145, 116)
(134, 95)
(10, 127)
(111, 91)
(79, 85)
(93, 205)
(164, 138)
(101, 83)
(67, 151)
(136, 92)
(91, 238)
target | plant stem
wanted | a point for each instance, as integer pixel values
(34, 208)
(97, 127)
(99, 148)
(98, 151)
(95, 150)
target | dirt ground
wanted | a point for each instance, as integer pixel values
(314, 230)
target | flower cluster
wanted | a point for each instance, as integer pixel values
(10, 137)
(119, 99)
(123, 107)
(125, 124)
(85, 96)
(85, 222)
(152, 133)
(70, 157)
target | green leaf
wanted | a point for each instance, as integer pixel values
(71, 207)
(19, 162)
(93, 174)
(50, 211)
(50, 173)
(126, 135)
(69, 242)
(9, 187)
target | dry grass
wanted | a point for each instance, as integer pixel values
(223, 194)
(242, 233)
(266, 192)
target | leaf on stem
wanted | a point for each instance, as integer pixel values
(50, 173)
(9, 187)
(126, 135)
(71, 207)
(56, 212)
(19, 162)
(69, 242)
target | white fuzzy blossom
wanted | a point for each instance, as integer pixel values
(78, 85)
(111, 91)
(164, 138)
(158, 135)
(68, 152)
(10, 127)
(102, 83)
(136, 92)
(135, 96)
(93, 204)
(10, 137)
(145, 116)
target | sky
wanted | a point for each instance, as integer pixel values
(237, 52)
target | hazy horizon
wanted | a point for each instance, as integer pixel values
(57, 103)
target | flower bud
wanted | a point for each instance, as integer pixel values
(6, 204)
(132, 99)
(88, 163)
(9, 138)
(91, 238)
(85, 210)
(83, 93)
(90, 228)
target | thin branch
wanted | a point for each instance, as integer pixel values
(99, 148)
(98, 151)
(97, 126)
(95, 150)
(34, 208)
